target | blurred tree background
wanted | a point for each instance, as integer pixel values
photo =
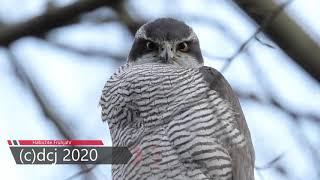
(56, 55)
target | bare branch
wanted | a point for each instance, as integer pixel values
(44, 105)
(271, 163)
(287, 34)
(275, 103)
(264, 43)
(51, 19)
(40, 98)
(264, 24)
(92, 53)
(125, 18)
(82, 172)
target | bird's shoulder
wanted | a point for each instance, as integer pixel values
(242, 158)
(217, 82)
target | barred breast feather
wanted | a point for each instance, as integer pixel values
(176, 124)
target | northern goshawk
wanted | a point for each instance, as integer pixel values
(179, 118)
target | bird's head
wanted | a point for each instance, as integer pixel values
(166, 40)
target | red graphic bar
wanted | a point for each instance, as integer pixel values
(60, 142)
(9, 142)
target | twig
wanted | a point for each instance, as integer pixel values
(263, 25)
(276, 104)
(82, 172)
(271, 163)
(91, 53)
(41, 100)
(264, 43)
(44, 105)
(287, 33)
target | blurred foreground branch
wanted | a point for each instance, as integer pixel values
(285, 32)
(275, 103)
(92, 53)
(52, 18)
(45, 106)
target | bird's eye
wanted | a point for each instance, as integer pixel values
(183, 47)
(151, 45)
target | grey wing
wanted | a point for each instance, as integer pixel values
(242, 158)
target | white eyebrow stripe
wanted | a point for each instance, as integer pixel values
(141, 33)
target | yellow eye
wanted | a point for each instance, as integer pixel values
(151, 45)
(183, 47)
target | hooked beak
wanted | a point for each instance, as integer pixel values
(166, 52)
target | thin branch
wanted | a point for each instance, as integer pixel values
(40, 98)
(271, 163)
(264, 43)
(273, 102)
(44, 105)
(261, 28)
(287, 34)
(295, 116)
(82, 172)
(90, 53)
(125, 18)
